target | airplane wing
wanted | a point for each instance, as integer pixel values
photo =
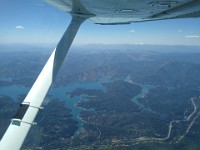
(129, 11)
(100, 12)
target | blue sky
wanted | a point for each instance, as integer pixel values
(35, 22)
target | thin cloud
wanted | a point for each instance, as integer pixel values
(192, 36)
(131, 31)
(180, 30)
(20, 27)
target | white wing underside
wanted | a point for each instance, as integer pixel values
(128, 11)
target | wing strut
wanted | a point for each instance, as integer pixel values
(24, 119)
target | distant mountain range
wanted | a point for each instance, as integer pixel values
(175, 74)
(148, 64)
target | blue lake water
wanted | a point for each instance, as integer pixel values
(63, 93)
(144, 92)
(13, 91)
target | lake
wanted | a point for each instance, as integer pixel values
(63, 93)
